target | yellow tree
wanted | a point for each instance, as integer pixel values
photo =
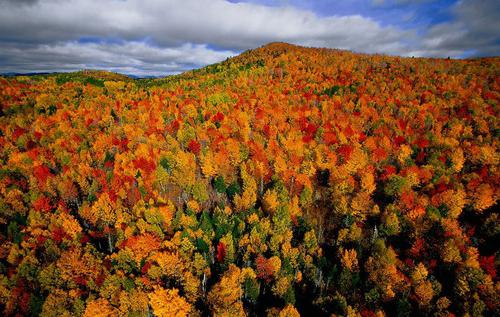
(270, 201)
(225, 296)
(289, 311)
(247, 199)
(168, 303)
(100, 308)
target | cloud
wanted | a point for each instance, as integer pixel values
(475, 30)
(220, 23)
(135, 58)
(19, 2)
(398, 2)
(164, 36)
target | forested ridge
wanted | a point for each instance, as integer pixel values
(285, 181)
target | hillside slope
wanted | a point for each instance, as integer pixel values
(285, 180)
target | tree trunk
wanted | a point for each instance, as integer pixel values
(110, 245)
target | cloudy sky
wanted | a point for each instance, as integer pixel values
(160, 37)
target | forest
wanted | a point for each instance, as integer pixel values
(285, 181)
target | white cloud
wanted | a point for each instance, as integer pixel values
(224, 24)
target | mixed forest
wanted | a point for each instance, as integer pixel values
(285, 181)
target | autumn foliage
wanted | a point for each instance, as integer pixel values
(285, 181)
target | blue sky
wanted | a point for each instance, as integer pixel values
(405, 14)
(160, 37)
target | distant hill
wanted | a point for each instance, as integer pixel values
(96, 77)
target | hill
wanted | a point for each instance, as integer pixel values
(284, 181)
(93, 77)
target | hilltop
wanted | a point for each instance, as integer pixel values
(284, 181)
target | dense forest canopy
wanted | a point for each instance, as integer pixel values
(284, 181)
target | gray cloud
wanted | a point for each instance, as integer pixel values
(397, 2)
(476, 29)
(150, 36)
(19, 2)
(129, 57)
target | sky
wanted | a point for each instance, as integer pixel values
(162, 37)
